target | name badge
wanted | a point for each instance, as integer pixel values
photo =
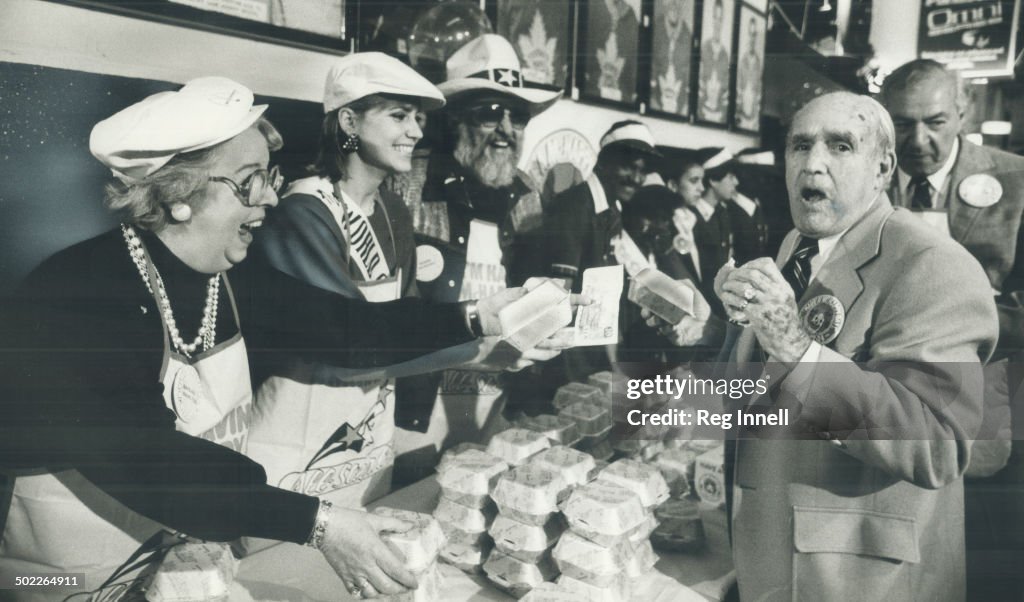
(187, 394)
(822, 318)
(980, 190)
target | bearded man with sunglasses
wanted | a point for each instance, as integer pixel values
(474, 215)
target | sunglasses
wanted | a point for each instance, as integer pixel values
(490, 115)
(254, 187)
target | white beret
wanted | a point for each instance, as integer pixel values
(139, 140)
(361, 74)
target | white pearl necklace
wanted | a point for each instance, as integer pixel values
(207, 330)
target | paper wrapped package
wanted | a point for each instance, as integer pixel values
(530, 494)
(636, 476)
(449, 454)
(552, 592)
(709, 477)
(529, 543)
(462, 524)
(580, 558)
(419, 545)
(516, 445)
(515, 576)
(677, 466)
(680, 528)
(469, 478)
(535, 316)
(431, 587)
(620, 590)
(571, 393)
(468, 559)
(603, 512)
(558, 429)
(642, 560)
(661, 295)
(574, 466)
(592, 420)
(194, 572)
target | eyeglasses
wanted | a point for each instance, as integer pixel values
(254, 187)
(490, 115)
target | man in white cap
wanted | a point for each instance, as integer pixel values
(473, 215)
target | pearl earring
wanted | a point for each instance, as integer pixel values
(181, 212)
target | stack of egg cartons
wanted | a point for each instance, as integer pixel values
(650, 486)
(465, 510)
(590, 409)
(527, 525)
(419, 546)
(594, 553)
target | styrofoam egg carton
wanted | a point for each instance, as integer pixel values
(528, 543)
(515, 576)
(580, 558)
(575, 466)
(621, 590)
(639, 477)
(558, 429)
(642, 560)
(462, 524)
(571, 393)
(677, 465)
(194, 572)
(536, 315)
(469, 478)
(552, 592)
(530, 493)
(603, 512)
(449, 454)
(420, 544)
(468, 559)
(431, 587)
(607, 381)
(515, 445)
(591, 419)
(643, 530)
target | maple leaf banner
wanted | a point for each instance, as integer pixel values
(975, 37)
(539, 32)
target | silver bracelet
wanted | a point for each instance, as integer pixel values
(316, 536)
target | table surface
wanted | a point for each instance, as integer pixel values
(300, 574)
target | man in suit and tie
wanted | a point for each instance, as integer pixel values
(976, 195)
(876, 328)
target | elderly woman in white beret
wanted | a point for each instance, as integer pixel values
(126, 390)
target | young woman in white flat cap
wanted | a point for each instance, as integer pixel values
(319, 429)
(124, 374)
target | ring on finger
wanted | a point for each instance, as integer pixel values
(749, 293)
(744, 305)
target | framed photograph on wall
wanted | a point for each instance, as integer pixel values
(541, 33)
(750, 46)
(609, 48)
(672, 56)
(715, 56)
(313, 24)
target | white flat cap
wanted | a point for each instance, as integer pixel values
(364, 73)
(139, 140)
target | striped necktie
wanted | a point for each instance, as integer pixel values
(921, 198)
(797, 270)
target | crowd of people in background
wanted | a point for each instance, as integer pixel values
(371, 301)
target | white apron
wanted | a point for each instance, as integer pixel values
(61, 522)
(469, 403)
(322, 431)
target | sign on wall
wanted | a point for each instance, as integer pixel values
(975, 37)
